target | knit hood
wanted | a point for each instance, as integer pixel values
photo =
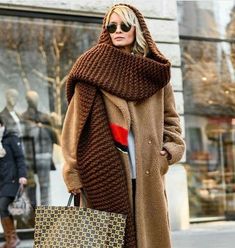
(155, 54)
(105, 64)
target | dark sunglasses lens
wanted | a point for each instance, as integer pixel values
(111, 28)
(125, 28)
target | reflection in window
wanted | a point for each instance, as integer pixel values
(210, 165)
(208, 78)
(36, 56)
(209, 96)
(205, 18)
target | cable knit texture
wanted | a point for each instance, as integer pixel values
(133, 78)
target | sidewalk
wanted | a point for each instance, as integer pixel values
(219, 234)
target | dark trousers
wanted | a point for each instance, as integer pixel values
(133, 193)
(4, 203)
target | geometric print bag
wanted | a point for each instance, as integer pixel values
(74, 227)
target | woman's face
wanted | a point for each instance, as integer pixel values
(121, 39)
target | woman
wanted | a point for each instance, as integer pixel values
(12, 175)
(121, 130)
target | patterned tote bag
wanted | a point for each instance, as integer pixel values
(74, 227)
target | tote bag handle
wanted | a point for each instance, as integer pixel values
(19, 191)
(82, 194)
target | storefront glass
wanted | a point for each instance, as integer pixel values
(206, 19)
(36, 56)
(208, 63)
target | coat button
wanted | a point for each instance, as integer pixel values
(150, 142)
(147, 172)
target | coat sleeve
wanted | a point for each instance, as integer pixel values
(17, 151)
(172, 140)
(69, 144)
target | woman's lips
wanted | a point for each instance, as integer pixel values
(118, 38)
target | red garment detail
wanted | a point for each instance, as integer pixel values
(119, 133)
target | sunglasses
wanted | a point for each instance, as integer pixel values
(112, 27)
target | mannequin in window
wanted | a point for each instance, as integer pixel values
(9, 115)
(38, 126)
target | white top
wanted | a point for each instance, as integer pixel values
(17, 121)
(131, 153)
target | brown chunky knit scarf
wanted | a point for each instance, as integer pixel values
(127, 76)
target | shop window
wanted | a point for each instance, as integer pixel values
(207, 31)
(206, 19)
(209, 95)
(36, 57)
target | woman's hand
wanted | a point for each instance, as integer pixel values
(164, 152)
(23, 181)
(75, 191)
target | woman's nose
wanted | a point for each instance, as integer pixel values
(118, 30)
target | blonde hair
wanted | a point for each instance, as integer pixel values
(128, 17)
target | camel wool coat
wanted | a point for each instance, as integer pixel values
(155, 125)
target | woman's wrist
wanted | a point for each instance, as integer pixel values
(75, 191)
